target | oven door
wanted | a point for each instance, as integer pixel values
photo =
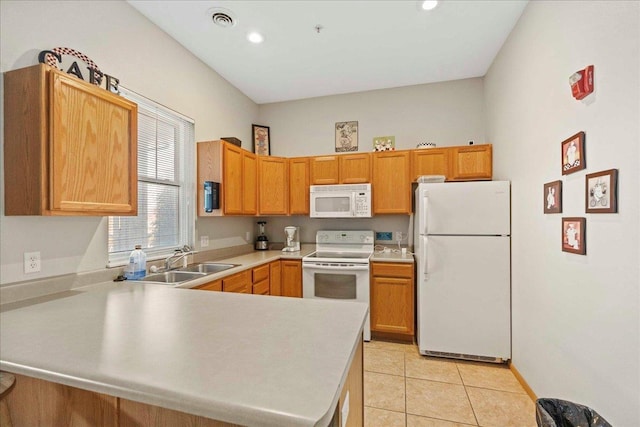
(333, 204)
(340, 282)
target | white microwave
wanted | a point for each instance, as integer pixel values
(341, 201)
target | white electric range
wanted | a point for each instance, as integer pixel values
(339, 269)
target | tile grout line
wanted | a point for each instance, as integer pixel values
(464, 386)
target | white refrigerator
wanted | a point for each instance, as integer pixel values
(463, 250)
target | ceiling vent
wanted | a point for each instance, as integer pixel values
(222, 17)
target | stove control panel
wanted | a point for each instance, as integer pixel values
(359, 237)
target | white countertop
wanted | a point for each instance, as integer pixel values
(245, 359)
(392, 256)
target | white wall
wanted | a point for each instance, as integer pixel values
(576, 324)
(126, 45)
(449, 113)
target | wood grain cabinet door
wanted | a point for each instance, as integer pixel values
(392, 299)
(391, 185)
(471, 163)
(430, 161)
(274, 185)
(232, 164)
(355, 168)
(299, 186)
(291, 278)
(324, 170)
(249, 183)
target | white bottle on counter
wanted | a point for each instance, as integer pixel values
(137, 267)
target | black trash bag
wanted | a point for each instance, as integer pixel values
(561, 413)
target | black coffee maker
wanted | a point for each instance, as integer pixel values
(262, 243)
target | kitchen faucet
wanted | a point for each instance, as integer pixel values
(177, 255)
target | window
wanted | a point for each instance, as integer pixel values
(165, 200)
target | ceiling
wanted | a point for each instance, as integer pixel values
(361, 45)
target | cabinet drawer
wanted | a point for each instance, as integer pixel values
(216, 285)
(261, 288)
(240, 282)
(260, 273)
(388, 269)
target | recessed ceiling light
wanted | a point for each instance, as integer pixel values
(255, 37)
(429, 4)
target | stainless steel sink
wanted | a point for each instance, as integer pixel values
(173, 277)
(208, 267)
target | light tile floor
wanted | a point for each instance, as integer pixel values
(404, 389)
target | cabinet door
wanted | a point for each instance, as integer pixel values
(275, 279)
(392, 305)
(261, 288)
(355, 168)
(299, 186)
(260, 273)
(240, 283)
(291, 278)
(232, 164)
(216, 285)
(249, 183)
(274, 185)
(391, 182)
(473, 162)
(93, 136)
(429, 161)
(324, 170)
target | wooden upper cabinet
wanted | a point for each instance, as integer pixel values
(299, 186)
(249, 183)
(355, 168)
(472, 162)
(239, 181)
(324, 170)
(429, 161)
(274, 185)
(391, 184)
(209, 169)
(70, 147)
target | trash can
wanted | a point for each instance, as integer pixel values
(561, 413)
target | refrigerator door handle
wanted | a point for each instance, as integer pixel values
(425, 216)
(425, 258)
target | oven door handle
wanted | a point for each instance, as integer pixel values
(363, 267)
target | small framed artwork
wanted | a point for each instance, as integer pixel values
(261, 140)
(601, 192)
(346, 136)
(553, 197)
(384, 143)
(574, 232)
(573, 155)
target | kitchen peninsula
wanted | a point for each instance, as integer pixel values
(148, 351)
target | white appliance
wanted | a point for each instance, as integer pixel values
(340, 201)
(462, 244)
(339, 269)
(292, 243)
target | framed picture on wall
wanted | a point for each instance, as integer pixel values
(553, 197)
(573, 155)
(346, 136)
(601, 192)
(261, 140)
(574, 231)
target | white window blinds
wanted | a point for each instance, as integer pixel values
(165, 179)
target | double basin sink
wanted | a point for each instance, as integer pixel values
(181, 275)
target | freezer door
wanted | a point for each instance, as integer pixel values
(475, 208)
(464, 301)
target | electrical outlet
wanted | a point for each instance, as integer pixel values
(247, 236)
(31, 262)
(204, 241)
(383, 235)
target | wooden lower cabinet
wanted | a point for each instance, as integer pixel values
(291, 278)
(239, 282)
(216, 285)
(275, 278)
(392, 300)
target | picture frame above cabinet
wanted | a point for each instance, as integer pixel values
(70, 147)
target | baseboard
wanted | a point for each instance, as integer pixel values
(522, 382)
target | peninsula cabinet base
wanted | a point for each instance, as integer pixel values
(35, 402)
